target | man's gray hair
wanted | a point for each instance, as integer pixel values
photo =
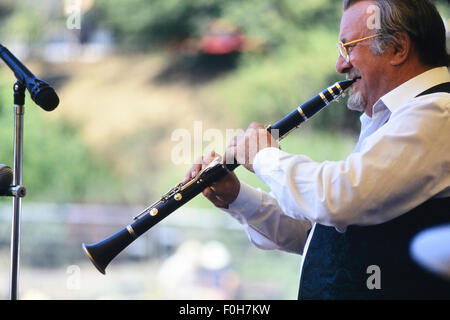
(419, 19)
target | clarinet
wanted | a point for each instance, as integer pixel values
(103, 252)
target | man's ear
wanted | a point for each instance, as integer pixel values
(401, 49)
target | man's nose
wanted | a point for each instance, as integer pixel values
(342, 66)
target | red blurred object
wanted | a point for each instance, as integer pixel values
(222, 37)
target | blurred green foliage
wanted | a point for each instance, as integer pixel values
(71, 173)
(142, 24)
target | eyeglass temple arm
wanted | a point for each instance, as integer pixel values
(365, 38)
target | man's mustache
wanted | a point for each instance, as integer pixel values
(353, 74)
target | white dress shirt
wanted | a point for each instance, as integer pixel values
(402, 159)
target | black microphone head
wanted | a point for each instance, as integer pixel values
(43, 94)
(6, 178)
(47, 99)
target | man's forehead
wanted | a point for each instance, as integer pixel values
(354, 21)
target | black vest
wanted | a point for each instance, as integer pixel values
(336, 264)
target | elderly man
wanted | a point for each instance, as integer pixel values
(353, 220)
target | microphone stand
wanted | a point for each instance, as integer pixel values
(17, 190)
(44, 96)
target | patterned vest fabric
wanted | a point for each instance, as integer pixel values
(338, 265)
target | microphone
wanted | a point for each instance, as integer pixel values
(41, 92)
(6, 177)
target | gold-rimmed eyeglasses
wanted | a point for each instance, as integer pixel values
(342, 46)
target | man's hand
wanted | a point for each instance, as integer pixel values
(245, 147)
(222, 192)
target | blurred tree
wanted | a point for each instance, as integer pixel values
(58, 167)
(26, 21)
(139, 24)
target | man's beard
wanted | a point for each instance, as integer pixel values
(356, 101)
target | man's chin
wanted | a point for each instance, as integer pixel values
(356, 102)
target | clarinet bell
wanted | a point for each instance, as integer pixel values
(103, 252)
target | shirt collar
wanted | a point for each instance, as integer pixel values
(411, 88)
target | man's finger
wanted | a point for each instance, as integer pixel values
(210, 194)
(192, 173)
(255, 125)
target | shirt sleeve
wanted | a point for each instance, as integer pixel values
(266, 225)
(398, 167)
